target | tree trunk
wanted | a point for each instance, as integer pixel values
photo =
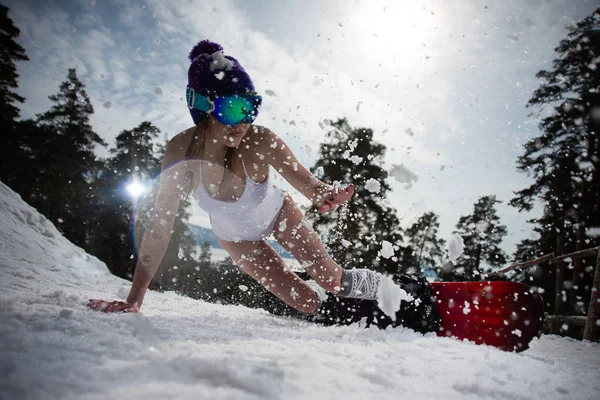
(594, 308)
(577, 268)
(558, 285)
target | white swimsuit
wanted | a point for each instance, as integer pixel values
(250, 218)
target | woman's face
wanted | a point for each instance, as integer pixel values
(230, 136)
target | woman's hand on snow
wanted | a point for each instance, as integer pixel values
(112, 306)
(337, 196)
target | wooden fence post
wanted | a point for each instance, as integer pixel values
(594, 308)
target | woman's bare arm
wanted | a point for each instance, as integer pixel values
(158, 233)
(280, 156)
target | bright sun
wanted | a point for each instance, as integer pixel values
(135, 189)
(400, 28)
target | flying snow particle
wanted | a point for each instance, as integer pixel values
(243, 288)
(373, 186)
(456, 246)
(157, 56)
(157, 91)
(387, 249)
(467, 308)
(515, 36)
(535, 235)
(220, 75)
(219, 62)
(403, 175)
(517, 332)
(567, 107)
(595, 114)
(283, 225)
(389, 297)
(270, 92)
(107, 104)
(356, 159)
(409, 132)
(482, 226)
(593, 232)
(346, 243)
(352, 144)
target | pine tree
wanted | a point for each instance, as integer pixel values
(194, 274)
(65, 159)
(13, 158)
(482, 235)
(350, 155)
(564, 159)
(132, 161)
(205, 255)
(426, 249)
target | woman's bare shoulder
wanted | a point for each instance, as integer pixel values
(258, 137)
(177, 146)
(181, 141)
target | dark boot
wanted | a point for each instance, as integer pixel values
(421, 314)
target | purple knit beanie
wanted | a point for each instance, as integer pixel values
(212, 72)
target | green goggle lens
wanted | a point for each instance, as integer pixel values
(235, 109)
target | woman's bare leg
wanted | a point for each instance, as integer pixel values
(261, 262)
(294, 233)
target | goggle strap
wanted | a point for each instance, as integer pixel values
(198, 102)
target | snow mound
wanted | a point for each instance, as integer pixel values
(53, 347)
(27, 237)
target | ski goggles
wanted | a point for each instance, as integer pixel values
(229, 109)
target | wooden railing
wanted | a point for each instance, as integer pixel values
(593, 314)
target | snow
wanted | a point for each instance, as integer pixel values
(456, 246)
(373, 186)
(595, 114)
(403, 175)
(356, 159)
(219, 62)
(387, 249)
(54, 347)
(389, 297)
(593, 232)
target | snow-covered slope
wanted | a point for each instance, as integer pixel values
(53, 347)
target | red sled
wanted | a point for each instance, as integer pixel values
(506, 315)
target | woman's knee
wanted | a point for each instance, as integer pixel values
(290, 289)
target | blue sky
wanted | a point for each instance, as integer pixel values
(443, 84)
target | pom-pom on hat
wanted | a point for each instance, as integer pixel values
(212, 72)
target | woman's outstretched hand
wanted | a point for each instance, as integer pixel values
(112, 306)
(337, 196)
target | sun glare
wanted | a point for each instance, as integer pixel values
(398, 29)
(135, 189)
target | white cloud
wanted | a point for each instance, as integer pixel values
(458, 78)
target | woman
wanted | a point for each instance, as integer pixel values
(223, 162)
